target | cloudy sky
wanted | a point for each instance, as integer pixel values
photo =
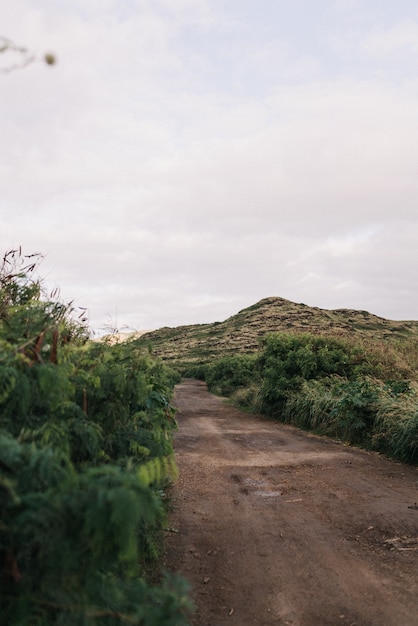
(185, 158)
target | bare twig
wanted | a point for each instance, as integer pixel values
(26, 57)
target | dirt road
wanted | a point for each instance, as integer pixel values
(274, 526)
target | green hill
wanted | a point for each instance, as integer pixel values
(242, 333)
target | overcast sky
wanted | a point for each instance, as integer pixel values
(186, 158)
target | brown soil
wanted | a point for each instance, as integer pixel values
(274, 526)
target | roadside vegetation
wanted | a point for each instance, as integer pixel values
(363, 394)
(85, 461)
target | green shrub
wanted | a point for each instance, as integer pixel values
(325, 385)
(85, 456)
(354, 410)
(288, 360)
(230, 373)
(199, 372)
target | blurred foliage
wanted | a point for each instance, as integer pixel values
(85, 457)
(21, 56)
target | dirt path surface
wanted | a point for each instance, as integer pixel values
(274, 526)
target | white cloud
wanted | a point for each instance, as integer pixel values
(175, 170)
(397, 40)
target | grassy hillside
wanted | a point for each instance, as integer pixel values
(343, 373)
(241, 333)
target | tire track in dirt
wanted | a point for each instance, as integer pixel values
(276, 526)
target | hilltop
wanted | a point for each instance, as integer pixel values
(242, 333)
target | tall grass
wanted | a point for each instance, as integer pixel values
(368, 413)
(396, 425)
(311, 408)
(360, 394)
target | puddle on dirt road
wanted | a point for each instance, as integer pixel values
(268, 494)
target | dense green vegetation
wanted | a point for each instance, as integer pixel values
(85, 459)
(328, 385)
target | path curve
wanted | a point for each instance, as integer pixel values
(273, 526)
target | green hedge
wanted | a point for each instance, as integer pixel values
(326, 385)
(85, 458)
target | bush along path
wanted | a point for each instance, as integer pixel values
(274, 526)
(85, 459)
(326, 385)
